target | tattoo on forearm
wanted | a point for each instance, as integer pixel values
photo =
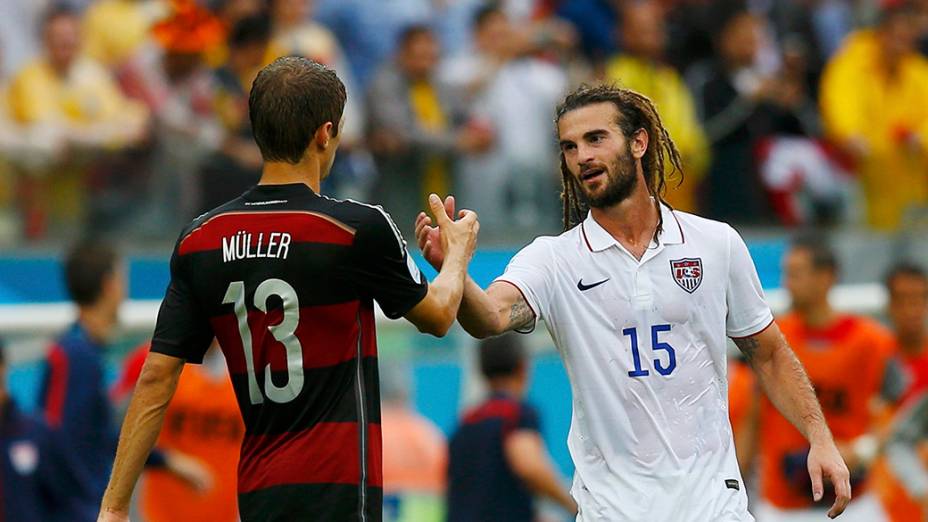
(520, 314)
(786, 383)
(748, 346)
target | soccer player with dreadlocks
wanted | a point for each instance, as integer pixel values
(639, 299)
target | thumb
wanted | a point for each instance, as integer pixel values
(438, 210)
(449, 206)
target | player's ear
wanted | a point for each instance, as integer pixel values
(323, 135)
(639, 143)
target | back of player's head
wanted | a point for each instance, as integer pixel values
(291, 98)
(635, 112)
(86, 268)
(502, 356)
(820, 251)
(903, 269)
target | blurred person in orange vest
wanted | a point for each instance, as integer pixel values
(743, 409)
(640, 67)
(873, 94)
(74, 106)
(415, 454)
(848, 359)
(202, 423)
(907, 287)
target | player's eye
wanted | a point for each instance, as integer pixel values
(568, 147)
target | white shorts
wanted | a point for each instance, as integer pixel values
(867, 508)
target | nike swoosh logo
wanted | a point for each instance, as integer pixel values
(583, 288)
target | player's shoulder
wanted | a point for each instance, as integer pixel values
(548, 247)
(359, 214)
(704, 228)
(199, 221)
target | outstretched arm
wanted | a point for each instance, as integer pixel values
(483, 313)
(786, 384)
(140, 430)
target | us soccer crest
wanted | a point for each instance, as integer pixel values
(687, 272)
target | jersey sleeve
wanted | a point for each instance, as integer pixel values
(182, 329)
(748, 312)
(528, 419)
(382, 266)
(529, 272)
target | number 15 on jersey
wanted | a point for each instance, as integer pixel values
(656, 345)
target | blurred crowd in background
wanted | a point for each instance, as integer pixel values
(129, 117)
(124, 119)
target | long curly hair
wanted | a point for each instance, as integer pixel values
(636, 112)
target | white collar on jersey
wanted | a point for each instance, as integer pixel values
(597, 239)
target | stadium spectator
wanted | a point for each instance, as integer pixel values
(203, 422)
(848, 359)
(640, 67)
(415, 454)
(296, 33)
(497, 457)
(872, 94)
(416, 128)
(512, 185)
(27, 469)
(236, 166)
(114, 30)
(170, 76)
(907, 287)
(73, 395)
(808, 181)
(75, 102)
(734, 94)
(596, 23)
(369, 29)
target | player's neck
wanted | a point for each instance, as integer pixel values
(818, 315)
(633, 221)
(512, 386)
(307, 171)
(97, 322)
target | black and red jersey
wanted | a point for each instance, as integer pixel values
(285, 279)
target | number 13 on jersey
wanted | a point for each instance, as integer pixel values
(656, 344)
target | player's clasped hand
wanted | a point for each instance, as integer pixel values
(825, 461)
(436, 241)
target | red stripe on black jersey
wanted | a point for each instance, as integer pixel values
(327, 333)
(327, 453)
(328, 395)
(303, 226)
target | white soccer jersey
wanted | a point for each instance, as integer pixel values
(644, 346)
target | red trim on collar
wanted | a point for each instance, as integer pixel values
(585, 239)
(675, 218)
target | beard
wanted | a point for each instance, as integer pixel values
(620, 183)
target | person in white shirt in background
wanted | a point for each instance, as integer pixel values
(639, 300)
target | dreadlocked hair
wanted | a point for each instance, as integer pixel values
(636, 112)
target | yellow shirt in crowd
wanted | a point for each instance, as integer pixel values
(888, 116)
